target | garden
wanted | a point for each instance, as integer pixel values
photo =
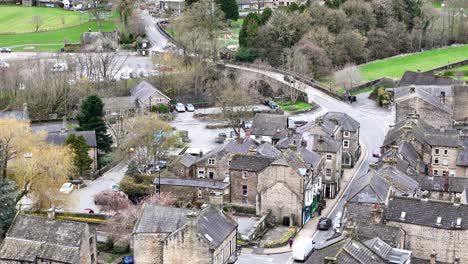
(297, 106)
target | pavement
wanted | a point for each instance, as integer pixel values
(84, 198)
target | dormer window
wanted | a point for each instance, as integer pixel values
(459, 221)
(403, 216)
(439, 220)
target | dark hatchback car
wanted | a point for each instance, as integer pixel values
(324, 223)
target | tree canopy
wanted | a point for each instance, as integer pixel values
(230, 9)
(81, 160)
(8, 202)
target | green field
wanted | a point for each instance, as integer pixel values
(294, 107)
(55, 37)
(395, 67)
(17, 19)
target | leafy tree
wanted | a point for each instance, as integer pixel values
(334, 3)
(266, 14)
(246, 54)
(190, 2)
(249, 29)
(7, 200)
(230, 9)
(91, 118)
(81, 159)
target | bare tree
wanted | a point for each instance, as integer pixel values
(348, 77)
(37, 22)
(236, 105)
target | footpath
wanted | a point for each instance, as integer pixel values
(310, 228)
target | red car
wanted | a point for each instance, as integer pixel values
(376, 153)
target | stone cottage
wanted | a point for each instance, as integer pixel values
(167, 235)
(269, 128)
(148, 96)
(32, 239)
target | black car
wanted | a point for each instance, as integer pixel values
(324, 223)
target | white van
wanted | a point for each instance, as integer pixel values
(337, 222)
(303, 248)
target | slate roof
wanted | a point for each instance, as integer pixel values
(186, 160)
(387, 252)
(213, 225)
(123, 102)
(18, 115)
(268, 124)
(309, 157)
(30, 237)
(429, 94)
(268, 150)
(370, 188)
(329, 248)
(322, 143)
(346, 122)
(192, 183)
(420, 78)
(250, 163)
(361, 253)
(230, 146)
(389, 234)
(462, 159)
(436, 183)
(285, 142)
(425, 213)
(144, 90)
(59, 138)
(160, 219)
(359, 211)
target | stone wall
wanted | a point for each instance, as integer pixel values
(237, 181)
(199, 195)
(429, 113)
(186, 246)
(422, 240)
(220, 169)
(226, 249)
(147, 248)
(88, 246)
(460, 106)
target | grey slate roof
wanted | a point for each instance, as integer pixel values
(361, 253)
(346, 122)
(268, 150)
(160, 219)
(30, 237)
(329, 248)
(309, 157)
(322, 143)
(230, 146)
(359, 211)
(389, 234)
(425, 213)
(268, 124)
(462, 159)
(285, 142)
(18, 115)
(436, 183)
(370, 188)
(250, 163)
(424, 93)
(419, 78)
(186, 160)
(144, 90)
(211, 223)
(123, 102)
(59, 138)
(219, 185)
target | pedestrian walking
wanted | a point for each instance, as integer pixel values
(290, 242)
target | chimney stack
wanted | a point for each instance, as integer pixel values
(216, 201)
(433, 257)
(192, 219)
(51, 213)
(377, 214)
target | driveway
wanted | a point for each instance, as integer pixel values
(84, 198)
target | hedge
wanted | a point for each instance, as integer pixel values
(240, 209)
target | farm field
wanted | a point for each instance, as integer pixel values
(17, 19)
(396, 66)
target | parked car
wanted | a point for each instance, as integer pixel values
(220, 138)
(273, 105)
(189, 107)
(127, 260)
(124, 76)
(115, 187)
(59, 67)
(179, 107)
(143, 74)
(303, 248)
(324, 223)
(337, 222)
(4, 65)
(376, 153)
(132, 75)
(289, 79)
(5, 50)
(162, 164)
(66, 188)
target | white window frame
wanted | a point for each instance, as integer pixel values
(201, 174)
(435, 172)
(444, 161)
(245, 191)
(345, 143)
(329, 157)
(199, 193)
(346, 134)
(229, 162)
(211, 161)
(436, 160)
(444, 173)
(451, 174)
(436, 151)
(244, 175)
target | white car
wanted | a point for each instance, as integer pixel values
(4, 64)
(180, 107)
(59, 67)
(189, 107)
(66, 188)
(124, 76)
(115, 187)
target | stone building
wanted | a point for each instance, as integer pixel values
(181, 166)
(124, 106)
(197, 190)
(434, 229)
(148, 96)
(166, 235)
(269, 128)
(32, 239)
(214, 165)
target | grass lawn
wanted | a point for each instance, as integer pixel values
(395, 67)
(453, 73)
(55, 37)
(17, 19)
(437, 3)
(294, 107)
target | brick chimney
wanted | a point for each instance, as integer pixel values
(433, 257)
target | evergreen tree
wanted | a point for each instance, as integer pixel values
(81, 160)
(132, 169)
(266, 14)
(249, 29)
(91, 117)
(8, 205)
(189, 2)
(229, 8)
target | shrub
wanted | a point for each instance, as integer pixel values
(105, 159)
(240, 209)
(283, 241)
(134, 190)
(245, 55)
(120, 250)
